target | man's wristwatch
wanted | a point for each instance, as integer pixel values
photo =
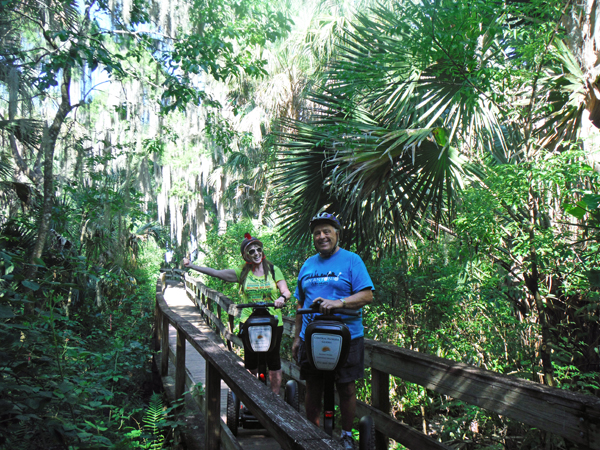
(343, 300)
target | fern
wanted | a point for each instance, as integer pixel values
(154, 415)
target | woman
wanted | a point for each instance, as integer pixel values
(258, 279)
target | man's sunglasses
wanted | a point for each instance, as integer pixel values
(252, 251)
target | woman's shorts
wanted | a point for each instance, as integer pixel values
(353, 369)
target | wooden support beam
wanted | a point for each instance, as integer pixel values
(228, 440)
(164, 346)
(380, 399)
(156, 328)
(180, 365)
(213, 407)
(400, 432)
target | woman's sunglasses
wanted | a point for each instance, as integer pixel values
(252, 251)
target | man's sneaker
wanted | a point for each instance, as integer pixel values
(347, 442)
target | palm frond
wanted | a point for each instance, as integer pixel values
(26, 131)
(566, 92)
(406, 95)
(5, 170)
(152, 229)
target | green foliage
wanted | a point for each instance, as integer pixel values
(158, 428)
(70, 374)
(76, 338)
(152, 418)
(465, 295)
(222, 44)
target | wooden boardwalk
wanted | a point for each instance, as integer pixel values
(178, 301)
(571, 415)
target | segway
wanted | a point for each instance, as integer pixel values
(259, 333)
(327, 341)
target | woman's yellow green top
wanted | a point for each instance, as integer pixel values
(257, 289)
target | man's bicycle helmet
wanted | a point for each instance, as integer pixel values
(325, 217)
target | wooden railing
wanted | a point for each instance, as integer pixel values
(173, 274)
(291, 430)
(571, 415)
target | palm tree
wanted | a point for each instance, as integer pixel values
(424, 99)
(404, 102)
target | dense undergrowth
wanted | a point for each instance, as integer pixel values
(76, 366)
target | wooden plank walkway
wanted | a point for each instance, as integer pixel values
(178, 301)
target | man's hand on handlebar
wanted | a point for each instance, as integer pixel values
(328, 306)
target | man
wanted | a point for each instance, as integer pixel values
(339, 279)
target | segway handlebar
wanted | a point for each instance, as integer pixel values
(256, 305)
(314, 308)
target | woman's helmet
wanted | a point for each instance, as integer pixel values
(248, 240)
(325, 217)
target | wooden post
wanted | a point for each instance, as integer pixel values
(164, 346)
(212, 391)
(231, 327)
(156, 331)
(210, 306)
(219, 315)
(180, 365)
(380, 399)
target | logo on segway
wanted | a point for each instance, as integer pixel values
(326, 350)
(260, 338)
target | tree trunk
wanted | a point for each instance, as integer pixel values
(265, 202)
(583, 40)
(48, 146)
(221, 205)
(34, 174)
(533, 283)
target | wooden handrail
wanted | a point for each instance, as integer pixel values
(568, 414)
(572, 415)
(291, 430)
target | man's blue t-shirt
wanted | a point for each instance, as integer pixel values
(342, 274)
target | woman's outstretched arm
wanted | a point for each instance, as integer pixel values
(225, 274)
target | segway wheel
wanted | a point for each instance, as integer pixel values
(366, 433)
(291, 395)
(233, 412)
